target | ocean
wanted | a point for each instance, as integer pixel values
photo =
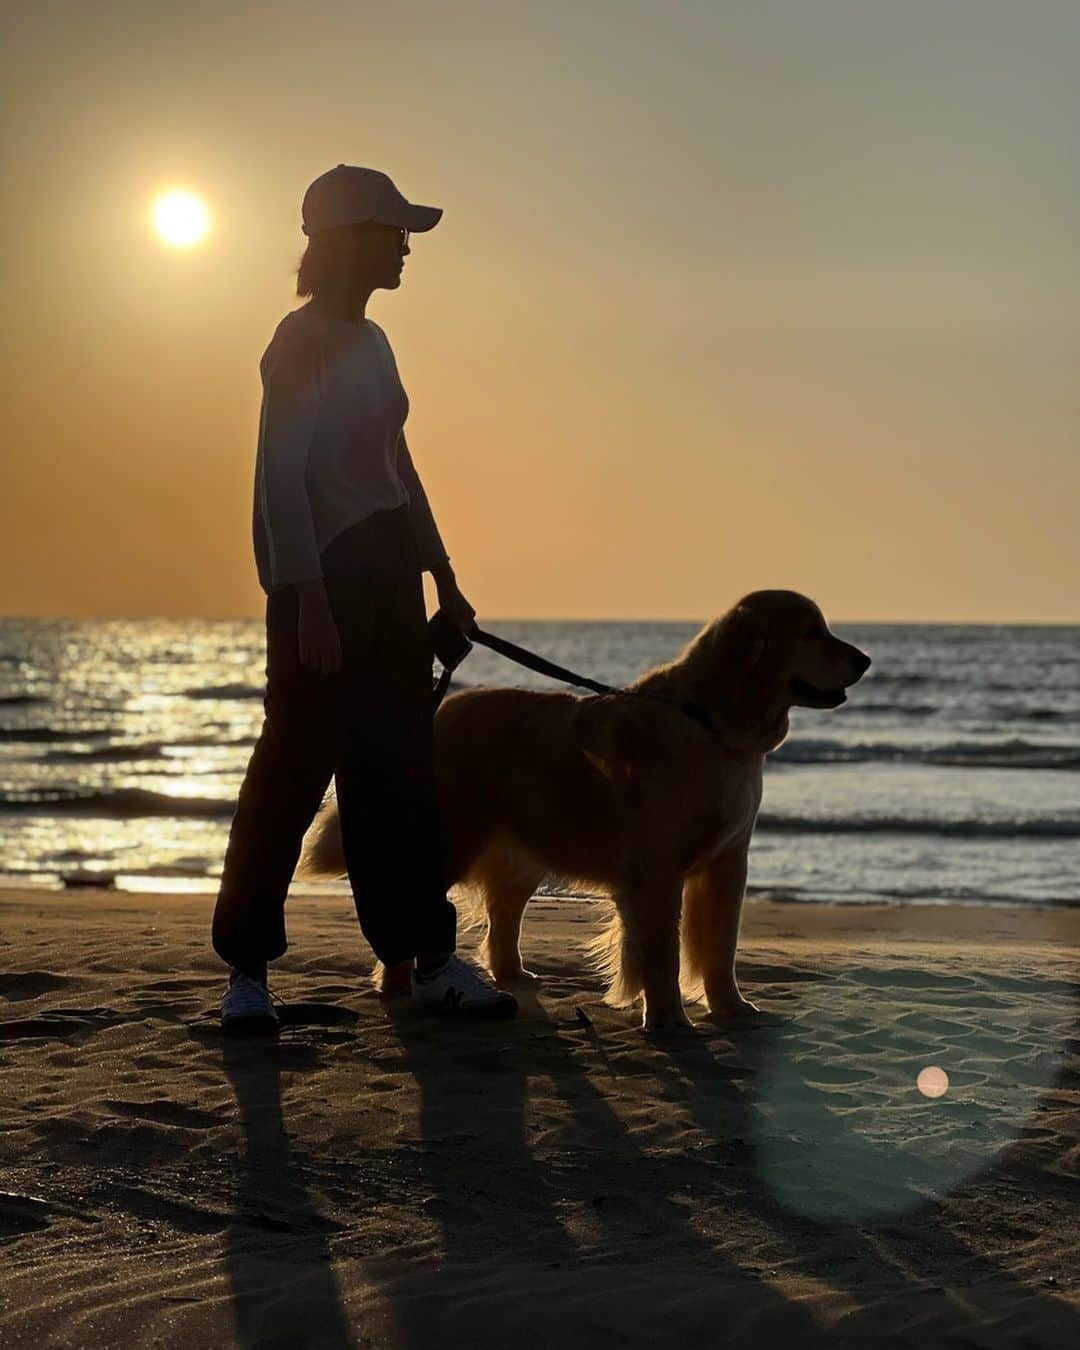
(952, 775)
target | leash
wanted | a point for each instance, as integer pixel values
(452, 646)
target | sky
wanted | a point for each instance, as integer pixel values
(725, 296)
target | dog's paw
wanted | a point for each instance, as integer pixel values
(518, 978)
(740, 1014)
(732, 1006)
(673, 1020)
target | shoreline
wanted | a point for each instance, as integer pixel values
(794, 920)
(187, 886)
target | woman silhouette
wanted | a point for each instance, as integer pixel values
(343, 531)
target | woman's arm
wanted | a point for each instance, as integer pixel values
(433, 555)
(291, 395)
(290, 409)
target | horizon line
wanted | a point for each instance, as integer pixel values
(511, 618)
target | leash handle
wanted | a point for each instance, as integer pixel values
(442, 684)
(451, 646)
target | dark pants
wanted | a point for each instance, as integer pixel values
(370, 727)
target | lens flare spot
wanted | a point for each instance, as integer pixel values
(932, 1081)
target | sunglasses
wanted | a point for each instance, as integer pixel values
(401, 233)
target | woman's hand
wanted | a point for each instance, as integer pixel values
(452, 602)
(317, 637)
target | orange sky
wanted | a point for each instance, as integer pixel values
(724, 296)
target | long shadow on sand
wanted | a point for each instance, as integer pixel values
(568, 1216)
(555, 1232)
(487, 1194)
(284, 1290)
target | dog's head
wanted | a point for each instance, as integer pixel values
(769, 653)
(777, 646)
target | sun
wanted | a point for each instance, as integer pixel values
(180, 219)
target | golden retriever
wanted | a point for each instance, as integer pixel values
(628, 796)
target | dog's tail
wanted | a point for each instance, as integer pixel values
(619, 962)
(322, 858)
(322, 855)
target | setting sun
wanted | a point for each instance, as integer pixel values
(181, 219)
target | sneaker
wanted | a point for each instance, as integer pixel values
(460, 987)
(247, 1008)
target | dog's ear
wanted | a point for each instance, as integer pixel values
(742, 641)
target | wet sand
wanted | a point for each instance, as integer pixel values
(380, 1177)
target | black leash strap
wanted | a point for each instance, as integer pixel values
(538, 663)
(542, 666)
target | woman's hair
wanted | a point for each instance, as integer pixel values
(316, 265)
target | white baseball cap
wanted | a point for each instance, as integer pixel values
(348, 195)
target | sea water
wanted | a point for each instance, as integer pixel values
(951, 775)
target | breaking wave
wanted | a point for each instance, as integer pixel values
(1006, 754)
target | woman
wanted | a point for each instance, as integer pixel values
(343, 531)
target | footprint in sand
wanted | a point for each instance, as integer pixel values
(23, 1214)
(21, 985)
(59, 1022)
(165, 1112)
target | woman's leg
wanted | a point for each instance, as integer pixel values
(385, 771)
(393, 849)
(288, 773)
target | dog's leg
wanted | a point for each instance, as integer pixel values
(502, 950)
(648, 906)
(712, 911)
(507, 881)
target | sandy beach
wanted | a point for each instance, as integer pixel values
(378, 1177)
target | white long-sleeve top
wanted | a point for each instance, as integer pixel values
(332, 446)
